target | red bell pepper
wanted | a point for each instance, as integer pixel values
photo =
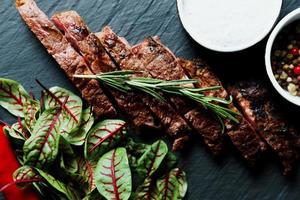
(8, 165)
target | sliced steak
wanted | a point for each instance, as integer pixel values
(88, 45)
(66, 56)
(162, 64)
(242, 135)
(255, 103)
(127, 58)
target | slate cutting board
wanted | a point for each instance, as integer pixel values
(24, 59)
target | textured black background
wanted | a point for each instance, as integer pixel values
(23, 58)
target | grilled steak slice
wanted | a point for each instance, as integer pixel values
(126, 57)
(86, 43)
(242, 135)
(256, 105)
(66, 56)
(164, 65)
(77, 33)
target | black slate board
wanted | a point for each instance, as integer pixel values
(24, 59)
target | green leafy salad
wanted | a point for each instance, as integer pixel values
(66, 154)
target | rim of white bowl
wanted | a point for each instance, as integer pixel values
(291, 17)
(213, 47)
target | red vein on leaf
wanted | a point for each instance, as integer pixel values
(166, 180)
(11, 95)
(20, 181)
(113, 176)
(42, 100)
(58, 100)
(32, 95)
(91, 174)
(149, 191)
(107, 136)
(32, 112)
(4, 123)
(24, 174)
(22, 128)
(149, 169)
(49, 132)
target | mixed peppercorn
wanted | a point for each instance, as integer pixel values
(286, 58)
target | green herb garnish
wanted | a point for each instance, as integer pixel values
(124, 81)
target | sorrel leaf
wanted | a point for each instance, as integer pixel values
(149, 162)
(30, 110)
(13, 96)
(170, 160)
(147, 191)
(68, 160)
(71, 110)
(87, 120)
(24, 174)
(170, 187)
(181, 178)
(102, 137)
(168, 163)
(84, 175)
(42, 146)
(59, 186)
(134, 150)
(113, 175)
(21, 128)
(15, 132)
(87, 170)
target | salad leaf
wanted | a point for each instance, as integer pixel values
(13, 96)
(87, 120)
(170, 188)
(59, 186)
(20, 127)
(30, 111)
(134, 150)
(170, 160)
(181, 178)
(59, 113)
(71, 109)
(42, 146)
(102, 137)
(67, 157)
(87, 169)
(147, 190)
(149, 162)
(24, 174)
(15, 131)
(113, 175)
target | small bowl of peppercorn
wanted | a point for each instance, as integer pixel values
(282, 57)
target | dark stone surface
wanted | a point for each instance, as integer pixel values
(24, 59)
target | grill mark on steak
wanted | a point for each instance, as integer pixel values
(66, 56)
(137, 59)
(77, 33)
(242, 135)
(256, 105)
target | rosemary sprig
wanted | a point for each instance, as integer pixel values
(124, 81)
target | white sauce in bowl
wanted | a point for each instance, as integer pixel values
(228, 25)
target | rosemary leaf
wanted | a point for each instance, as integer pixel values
(124, 81)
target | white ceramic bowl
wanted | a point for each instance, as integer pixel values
(291, 17)
(228, 25)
